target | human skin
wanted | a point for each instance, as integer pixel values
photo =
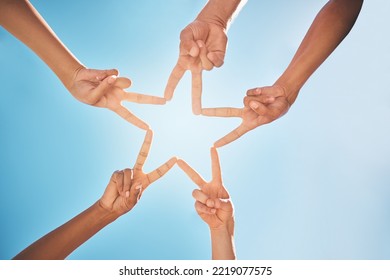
(101, 88)
(265, 104)
(122, 193)
(203, 46)
(214, 206)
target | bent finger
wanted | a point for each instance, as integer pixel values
(203, 209)
(200, 196)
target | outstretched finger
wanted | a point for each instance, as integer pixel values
(161, 171)
(143, 153)
(131, 118)
(226, 112)
(196, 92)
(194, 176)
(230, 137)
(143, 98)
(215, 166)
(174, 78)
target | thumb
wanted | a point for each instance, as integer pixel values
(101, 89)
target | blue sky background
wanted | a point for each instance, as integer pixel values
(312, 185)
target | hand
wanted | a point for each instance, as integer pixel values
(102, 88)
(202, 46)
(262, 106)
(213, 202)
(125, 187)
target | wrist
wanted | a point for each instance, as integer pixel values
(104, 214)
(71, 75)
(220, 12)
(226, 228)
(290, 88)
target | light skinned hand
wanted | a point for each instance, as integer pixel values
(213, 202)
(126, 187)
(103, 88)
(202, 47)
(262, 106)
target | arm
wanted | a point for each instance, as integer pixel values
(266, 104)
(214, 206)
(202, 46)
(122, 193)
(101, 88)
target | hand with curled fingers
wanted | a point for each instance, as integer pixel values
(262, 106)
(214, 206)
(126, 187)
(213, 202)
(202, 47)
(102, 88)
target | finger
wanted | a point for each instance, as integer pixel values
(143, 98)
(203, 209)
(188, 45)
(265, 99)
(143, 153)
(174, 78)
(196, 92)
(217, 58)
(200, 196)
(194, 176)
(127, 181)
(161, 171)
(122, 82)
(258, 107)
(119, 179)
(102, 74)
(206, 63)
(128, 116)
(100, 90)
(215, 166)
(230, 137)
(226, 112)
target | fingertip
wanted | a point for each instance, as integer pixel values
(254, 105)
(194, 51)
(111, 79)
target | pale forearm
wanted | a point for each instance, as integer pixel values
(62, 241)
(222, 244)
(221, 12)
(329, 28)
(21, 19)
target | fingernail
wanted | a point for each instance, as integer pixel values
(254, 105)
(258, 90)
(127, 194)
(111, 79)
(138, 187)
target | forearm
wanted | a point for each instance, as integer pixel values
(221, 12)
(329, 28)
(21, 19)
(222, 244)
(62, 241)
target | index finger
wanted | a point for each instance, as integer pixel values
(194, 176)
(215, 165)
(173, 80)
(161, 171)
(143, 153)
(143, 98)
(226, 112)
(230, 137)
(131, 118)
(196, 92)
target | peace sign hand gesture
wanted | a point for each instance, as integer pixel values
(125, 187)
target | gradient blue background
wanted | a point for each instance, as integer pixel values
(312, 185)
